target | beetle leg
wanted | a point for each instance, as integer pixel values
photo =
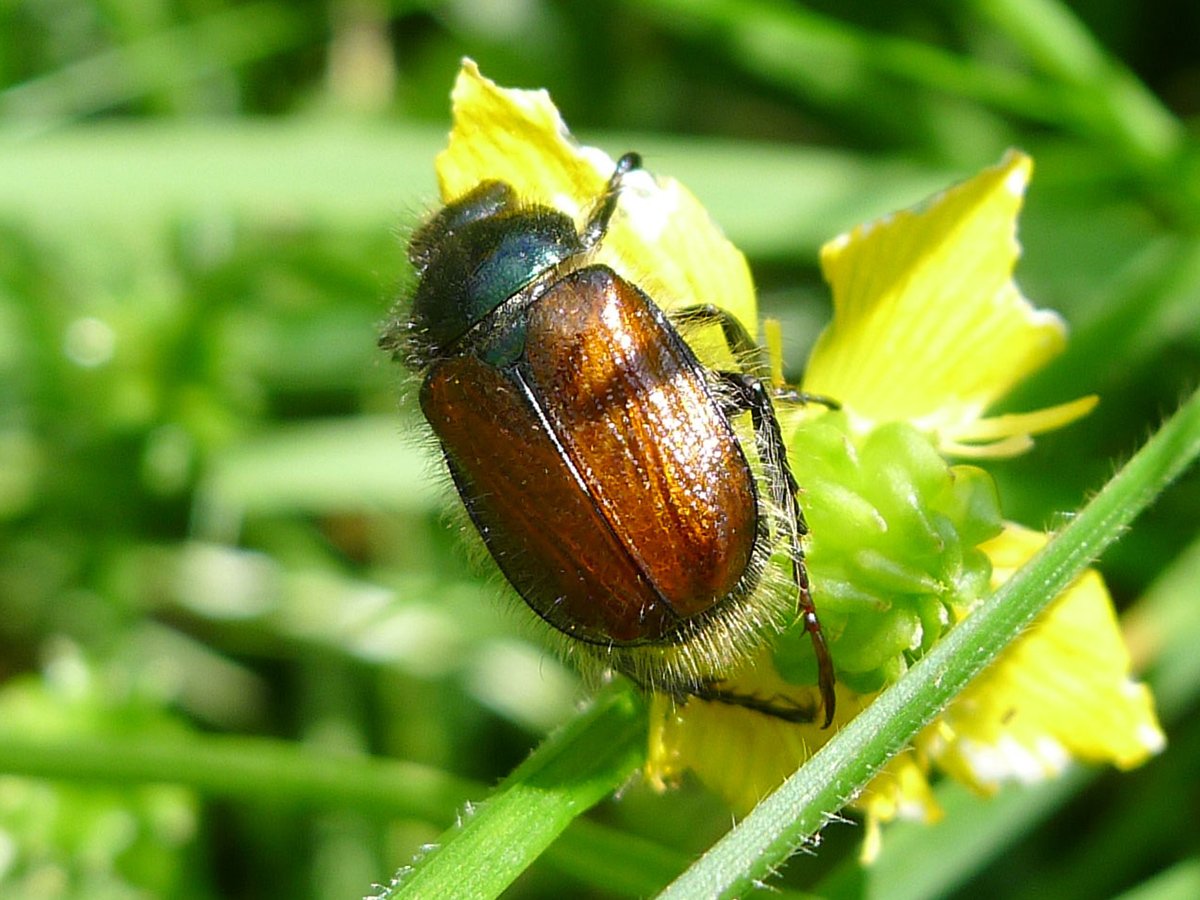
(778, 706)
(749, 354)
(750, 393)
(789, 394)
(747, 350)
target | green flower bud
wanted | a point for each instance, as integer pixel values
(893, 552)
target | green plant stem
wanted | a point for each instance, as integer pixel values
(243, 769)
(794, 814)
(572, 770)
(168, 59)
(820, 55)
(247, 769)
(1123, 111)
(1180, 882)
(1082, 89)
(923, 860)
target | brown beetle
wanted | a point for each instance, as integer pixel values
(596, 455)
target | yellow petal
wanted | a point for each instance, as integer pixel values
(517, 137)
(740, 754)
(661, 238)
(901, 790)
(1062, 691)
(743, 756)
(1009, 434)
(928, 325)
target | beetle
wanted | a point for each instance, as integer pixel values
(595, 454)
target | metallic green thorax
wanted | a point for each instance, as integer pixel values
(477, 254)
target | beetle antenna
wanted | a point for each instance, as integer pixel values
(597, 223)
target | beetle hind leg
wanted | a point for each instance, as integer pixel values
(778, 706)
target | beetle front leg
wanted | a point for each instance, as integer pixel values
(747, 351)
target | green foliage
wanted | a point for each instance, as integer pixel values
(241, 653)
(68, 839)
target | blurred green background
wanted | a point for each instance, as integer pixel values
(217, 523)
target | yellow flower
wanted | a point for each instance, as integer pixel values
(929, 327)
(1061, 692)
(929, 331)
(661, 238)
